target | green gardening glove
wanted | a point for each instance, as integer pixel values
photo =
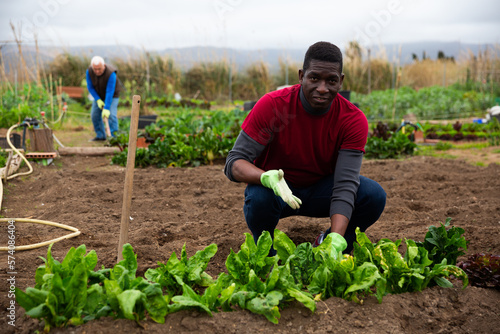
(105, 113)
(100, 103)
(273, 179)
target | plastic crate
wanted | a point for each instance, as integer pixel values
(15, 139)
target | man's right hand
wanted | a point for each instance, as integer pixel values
(100, 103)
(274, 179)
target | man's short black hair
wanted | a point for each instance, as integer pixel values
(323, 51)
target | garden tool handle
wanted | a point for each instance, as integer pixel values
(106, 126)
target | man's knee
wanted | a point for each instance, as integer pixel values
(379, 198)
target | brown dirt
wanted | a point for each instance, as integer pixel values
(199, 206)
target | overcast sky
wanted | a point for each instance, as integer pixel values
(249, 24)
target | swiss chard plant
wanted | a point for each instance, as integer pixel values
(176, 274)
(71, 292)
(62, 295)
(444, 242)
(395, 146)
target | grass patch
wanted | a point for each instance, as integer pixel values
(432, 151)
(467, 146)
(443, 146)
(425, 150)
(446, 156)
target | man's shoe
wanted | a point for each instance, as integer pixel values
(98, 139)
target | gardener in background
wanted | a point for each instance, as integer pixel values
(300, 152)
(102, 83)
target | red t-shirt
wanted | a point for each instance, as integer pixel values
(305, 146)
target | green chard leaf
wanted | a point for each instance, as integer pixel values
(191, 299)
(131, 303)
(155, 303)
(31, 298)
(283, 245)
(129, 261)
(197, 264)
(95, 299)
(365, 276)
(267, 306)
(76, 291)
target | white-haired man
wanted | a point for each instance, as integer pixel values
(103, 85)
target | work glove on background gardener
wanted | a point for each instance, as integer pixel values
(105, 113)
(100, 103)
(274, 179)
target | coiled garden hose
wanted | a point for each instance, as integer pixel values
(75, 233)
(40, 244)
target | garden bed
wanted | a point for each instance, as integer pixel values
(199, 206)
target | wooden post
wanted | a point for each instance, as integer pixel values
(41, 140)
(129, 174)
(93, 151)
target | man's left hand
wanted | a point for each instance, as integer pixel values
(105, 113)
(274, 179)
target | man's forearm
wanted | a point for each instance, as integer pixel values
(90, 87)
(247, 172)
(339, 224)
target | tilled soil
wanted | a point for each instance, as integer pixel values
(199, 206)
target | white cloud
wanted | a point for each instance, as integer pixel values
(157, 24)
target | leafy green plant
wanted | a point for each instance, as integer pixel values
(412, 272)
(494, 132)
(444, 243)
(3, 158)
(130, 297)
(27, 102)
(61, 295)
(434, 102)
(394, 147)
(186, 140)
(71, 292)
(260, 284)
(121, 140)
(176, 273)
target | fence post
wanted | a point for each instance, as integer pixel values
(369, 73)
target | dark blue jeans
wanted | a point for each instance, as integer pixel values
(263, 209)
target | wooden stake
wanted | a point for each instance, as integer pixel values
(51, 98)
(129, 174)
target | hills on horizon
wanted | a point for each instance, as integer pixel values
(187, 56)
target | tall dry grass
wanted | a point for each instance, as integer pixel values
(148, 75)
(364, 73)
(254, 81)
(288, 73)
(207, 80)
(69, 69)
(154, 75)
(428, 72)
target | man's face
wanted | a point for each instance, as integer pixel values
(99, 69)
(321, 82)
